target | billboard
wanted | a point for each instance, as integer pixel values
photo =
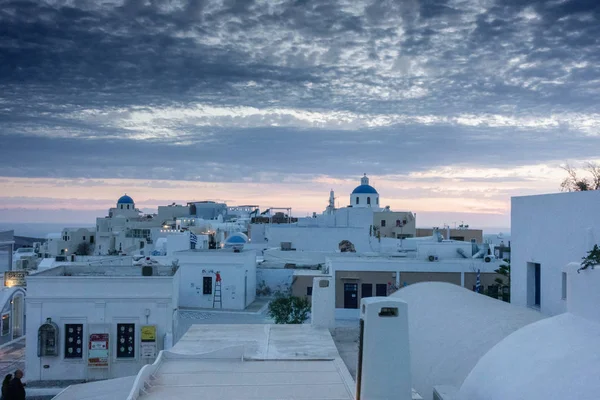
(15, 278)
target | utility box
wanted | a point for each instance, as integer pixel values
(384, 354)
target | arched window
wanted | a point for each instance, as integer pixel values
(128, 206)
(377, 200)
(368, 200)
(121, 206)
(357, 200)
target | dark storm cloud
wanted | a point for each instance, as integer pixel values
(281, 152)
(153, 89)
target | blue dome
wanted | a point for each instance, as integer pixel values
(364, 189)
(125, 200)
(237, 238)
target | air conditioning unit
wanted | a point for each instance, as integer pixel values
(22, 264)
(433, 258)
(286, 246)
(487, 259)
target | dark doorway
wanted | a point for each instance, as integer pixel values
(366, 290)
(350, 295)
(537, 284)
(381, 290)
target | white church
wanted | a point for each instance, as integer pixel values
(357, 223)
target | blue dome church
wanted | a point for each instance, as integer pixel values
(125, 203)
(364, 195)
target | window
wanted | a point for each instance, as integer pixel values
(128, 206)
(207, 285)
(381, 290)
(91, 239)
(357, 200)
(383, 223)
(309, 291)
(564, 285)
(125, 340)
(534, 281)
(73, 340)
(5, 324)
(366, 290)
(368, 200)
(376, 200)
(83, 238)
(493, 291)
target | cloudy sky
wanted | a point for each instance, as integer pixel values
(451, 107)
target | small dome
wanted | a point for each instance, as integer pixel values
(125, 200)
(236, 238)
(364, 189)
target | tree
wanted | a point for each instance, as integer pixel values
(286, 309)
(574, 183)
(83, 249)
(591, 260)
(503, 283)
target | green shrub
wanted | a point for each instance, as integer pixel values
(289, 309)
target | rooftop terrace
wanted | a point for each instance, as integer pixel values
(104, 270)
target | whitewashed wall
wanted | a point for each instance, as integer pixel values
(582, 291)
(232, 286)
(237, 292)
(444, 250)
(551, 230)
(277, 279)
(99, 303)
(321, 238)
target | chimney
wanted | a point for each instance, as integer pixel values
(383, 353)
(323, 303)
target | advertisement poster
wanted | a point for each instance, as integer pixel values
(148, 333)
(98, 350)
(148, 346)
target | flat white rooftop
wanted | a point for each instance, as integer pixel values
(256, 380)
(261, 342)
(112, 389)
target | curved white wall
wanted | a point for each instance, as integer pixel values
(451, 328)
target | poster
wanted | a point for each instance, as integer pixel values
(148, 350)
(148, 333)
(148, 345)
(98, 350)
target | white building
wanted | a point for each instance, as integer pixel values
(548, 231)
(358, 276)
(74, 307)
(127, 231)
(220, 279)
(69, 241)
